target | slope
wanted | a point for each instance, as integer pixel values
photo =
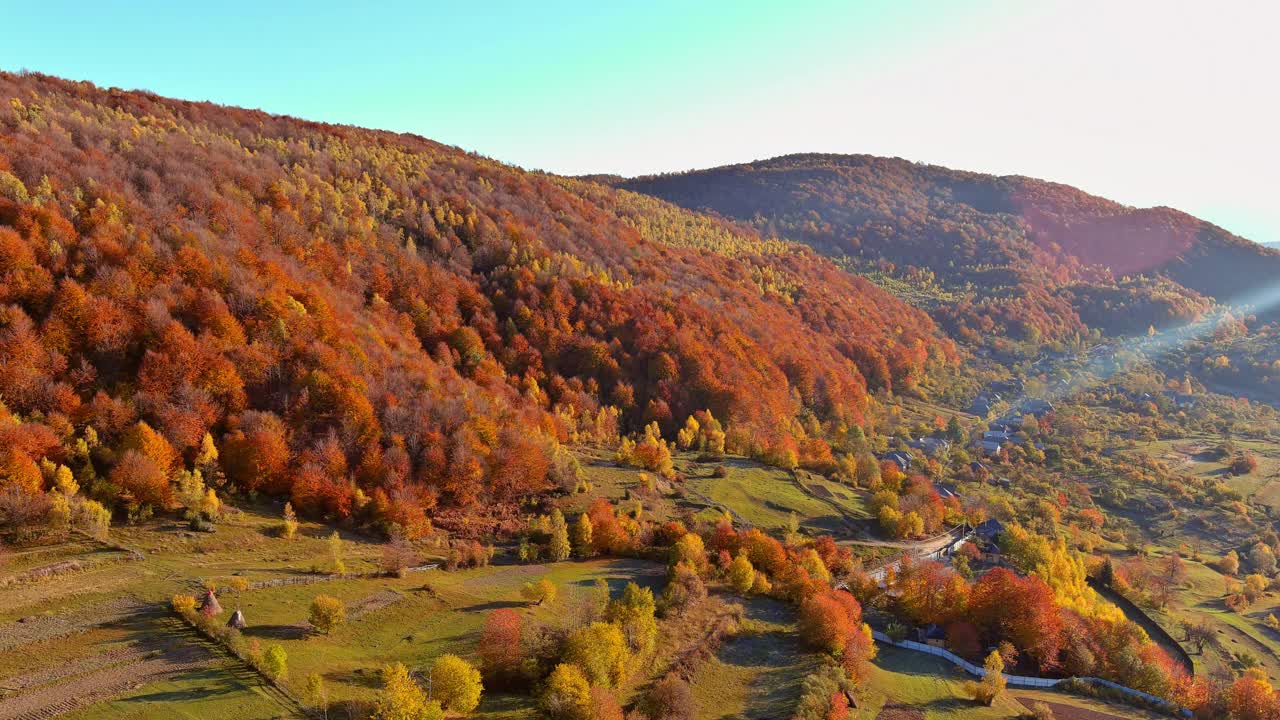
(1009, 254)
(376, 324)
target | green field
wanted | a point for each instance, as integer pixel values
(100, 630)
(766, 497)
(757, 674)
(902, 678)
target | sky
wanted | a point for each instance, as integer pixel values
(1148, 102)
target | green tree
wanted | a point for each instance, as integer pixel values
(335, 554)
(275, 662)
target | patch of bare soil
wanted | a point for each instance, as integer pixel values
(821, 491)
(48, 675)
(900, 712)
(1070, 712)
(44, 627)
(60, 695)
(374, 603)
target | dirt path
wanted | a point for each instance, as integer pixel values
(145, 665)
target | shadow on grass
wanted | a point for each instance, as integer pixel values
(208, 683)
(366, 678)
(278, 632)
(495, 605)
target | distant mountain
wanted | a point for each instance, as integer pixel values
(995, 254)
(354, 314)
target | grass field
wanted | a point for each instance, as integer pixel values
(766, 496)
(99, 629)
(758, 674)
(913, 685)
(414, 619)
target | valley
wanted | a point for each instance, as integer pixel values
(302, 420)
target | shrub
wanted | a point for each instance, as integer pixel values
(669, 699)
(275, 663)
(1041, 711)
(184, 604)
(327, 613)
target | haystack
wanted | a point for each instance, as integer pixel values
(237, 620)
(209, 605)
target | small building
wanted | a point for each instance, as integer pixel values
(930, 445)
(932, 634)
(1036, 407)
(998, 436)
(901, 458)
(947, 491)
(991, 448)
(982, 406)
(989, 531)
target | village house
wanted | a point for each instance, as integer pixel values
(901, 458)
(931, 446)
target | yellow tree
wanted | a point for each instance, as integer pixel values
(456, 684)
(539, 593)
(153, 445)
(582, 533)
(402, 699)
(992, 684)
(559, 536)
(634, 614)
(327, 613)
(568, 694)
(742, 575)
(601, 651)
(290, 526)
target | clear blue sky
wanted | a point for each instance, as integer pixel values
(1145, 101)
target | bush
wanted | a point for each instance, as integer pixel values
(327, 613)
(275, 663)
(184, 604)
(669, 699)
(1040, 711)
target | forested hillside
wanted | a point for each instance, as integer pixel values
(1000, 255)
(375, 324)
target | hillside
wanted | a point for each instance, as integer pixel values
(997, 255)
(376, 324)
